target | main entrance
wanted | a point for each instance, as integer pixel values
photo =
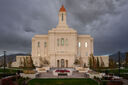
(62, 63)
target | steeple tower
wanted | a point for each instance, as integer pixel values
(62, 17)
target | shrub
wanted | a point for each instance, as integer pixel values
(29, 72)
(21, 81)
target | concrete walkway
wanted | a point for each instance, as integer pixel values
(125, 82)
(50, 75)
(0, 82)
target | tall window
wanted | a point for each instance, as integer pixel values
(79, 44)
(86, 44)
(45, 44)
(58, 63)
(62, 41)
(62, 62)
(57, 42)
(38, 44)
(62, 16)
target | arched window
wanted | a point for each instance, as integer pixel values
(62, 41)
(79, 44)
(62, 16)
(86, 44)
(62, 62)
(66, 63)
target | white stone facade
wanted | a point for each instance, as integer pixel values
(61, 46)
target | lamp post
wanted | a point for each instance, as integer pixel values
(4, 61)
(119, 62)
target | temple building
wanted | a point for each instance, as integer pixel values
(62, 46)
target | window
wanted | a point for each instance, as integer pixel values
(57, 42)
(45, 44)
(62, 16)
(79, 44)
(62, 41)
(86, 44)
(38, 44)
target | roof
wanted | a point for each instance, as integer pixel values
(62, 9)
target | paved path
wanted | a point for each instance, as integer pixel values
(125, 82)
(0, 82)
(50, 75)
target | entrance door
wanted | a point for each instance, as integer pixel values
(66, 63)
(62, 63)
(58, 63)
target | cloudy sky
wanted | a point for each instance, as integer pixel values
(105, 20)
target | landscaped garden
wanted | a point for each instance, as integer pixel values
(115, 71)
(123, 72)
(62, 82)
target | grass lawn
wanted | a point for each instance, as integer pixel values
(62, 82)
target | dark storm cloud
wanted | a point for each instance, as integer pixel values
(105, 20)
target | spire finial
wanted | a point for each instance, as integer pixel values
(62, 9)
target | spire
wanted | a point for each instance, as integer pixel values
(62, 17)
(62, 9)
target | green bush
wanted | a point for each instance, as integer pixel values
(103, 82)
(21, 81)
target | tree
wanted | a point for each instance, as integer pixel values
(1, 62)
(9, 64)
(85, 65)
(90, 62)
(102, 62)
(29, 62)
(94, 62)
(98, 63)
(81, 61)
(112, 63)
(77, 62)
(44, 62)
(24, 62)
(126, 60)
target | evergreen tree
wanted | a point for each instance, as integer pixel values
(112, 63)
(102, 62)
(77, 62)
(90, 62)
(98, 63)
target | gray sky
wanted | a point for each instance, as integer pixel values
(105, 20)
